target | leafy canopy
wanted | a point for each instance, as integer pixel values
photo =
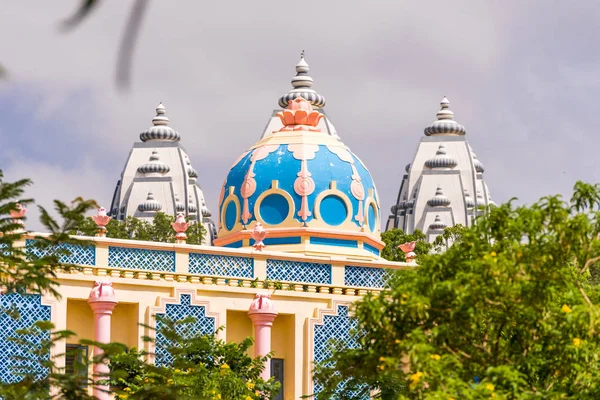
(159, 230)
(395, 237)
(203, 367)
(509, 311)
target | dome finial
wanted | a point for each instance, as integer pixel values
(161, 118)
(302, 84)
(154, 165)
(445, 124)
(160, 130)
(150, 205)
(441, 159)
(439, 200)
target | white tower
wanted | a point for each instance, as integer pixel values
(444, 185)
(158, 176)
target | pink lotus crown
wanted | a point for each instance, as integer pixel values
(299, 116)
(180, 226)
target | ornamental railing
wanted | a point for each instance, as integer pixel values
(131, 259)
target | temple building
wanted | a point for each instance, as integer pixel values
(443, 186)
(298, 243)
(158, 176)
(300, 182)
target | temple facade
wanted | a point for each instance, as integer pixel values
(159, 176)
(298, 242)
(443, 186)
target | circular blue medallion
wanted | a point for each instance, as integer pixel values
(230, 215)
(333, 210)
(372, 217)
(274, 209)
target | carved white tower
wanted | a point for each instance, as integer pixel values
(444, 185)
(158, 176)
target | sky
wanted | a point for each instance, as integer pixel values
(522, 77)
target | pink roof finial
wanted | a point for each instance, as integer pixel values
(180, 226)
(262, 303)
(408, 249)
(19, 211)
(102, 292)
(101, 220)
(18, 214)
(299, 116)
(259, 234)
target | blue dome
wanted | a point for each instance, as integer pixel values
(301, 180)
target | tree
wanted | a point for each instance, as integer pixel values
(159, 230)
(203, 367)
(32, 268)
(395, 237)
(21, 269)
(507, 312)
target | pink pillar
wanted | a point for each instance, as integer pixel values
(262, 313)
(102, 301)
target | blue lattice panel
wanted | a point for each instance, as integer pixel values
(365, 277)
(334, 328)
(211, 264)
(30, 310)
(296, 271)
(145, 259)
(202, 326)
(80, 255)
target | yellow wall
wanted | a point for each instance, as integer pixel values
(282, 345)
(238, 327)
(80, 319)
(124, 324)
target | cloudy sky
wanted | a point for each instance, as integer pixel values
(522, 77)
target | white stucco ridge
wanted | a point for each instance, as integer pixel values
(158, 176)
(444, 185)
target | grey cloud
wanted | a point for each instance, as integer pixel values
(521, 76)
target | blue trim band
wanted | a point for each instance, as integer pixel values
(370, 248)
(334, 242)
(281, 240)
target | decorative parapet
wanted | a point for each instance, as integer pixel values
(67, 253)
(219, 266)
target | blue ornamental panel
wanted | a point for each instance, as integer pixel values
(296, 271)
(211, 264)
(30, 310)
(3, 246)
(149, 260)
(202, 326)
(334, 328)
(365, 277)
(80, 255)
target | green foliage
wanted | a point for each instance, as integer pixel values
(395, 237)
(508, 312)
(33, 386)
(20, 270)
(160, 230)
(450, 236)
(204, 367)
(202, 359)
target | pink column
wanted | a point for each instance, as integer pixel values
(102, 301)
(262, 313)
